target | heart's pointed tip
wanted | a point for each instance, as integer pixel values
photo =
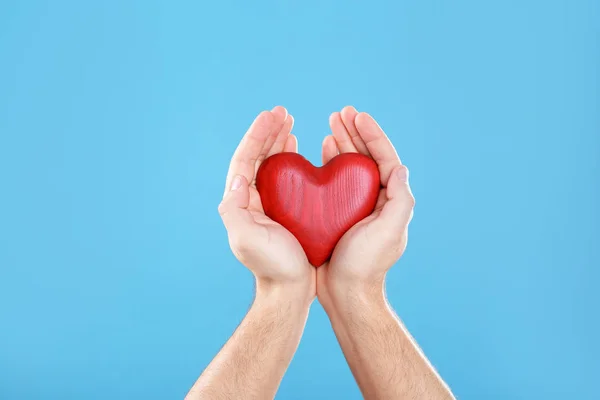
(321, 259)
(318, 263)
(318, 257)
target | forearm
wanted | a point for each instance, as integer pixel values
(385, 360)
(253, 361)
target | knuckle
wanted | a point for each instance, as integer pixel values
(239, 245)
(397, 241)
(221, 208)
(394, 235)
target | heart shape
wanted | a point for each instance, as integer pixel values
(318, 204)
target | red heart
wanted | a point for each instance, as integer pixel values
(318, 205)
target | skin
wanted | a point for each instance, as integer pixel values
(383, 357)
(253, 361)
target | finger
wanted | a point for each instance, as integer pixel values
(341, 135)
(291, 144)
(329, 150)
(233, 207)
(282, 136)
(280, 116)
(381, 200)
(348, 114)
(398, 209)
(244, 159)
(379, 145)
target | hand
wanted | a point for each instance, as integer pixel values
(269, 250)
(366, 252)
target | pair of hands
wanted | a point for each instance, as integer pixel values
(362, 256)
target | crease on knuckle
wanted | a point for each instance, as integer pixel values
(394, 237)
(251, 160)
(240, 246)
(222, 208)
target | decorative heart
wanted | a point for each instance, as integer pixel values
(318, 204)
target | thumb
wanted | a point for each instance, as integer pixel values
(398, 210)
(233, 207)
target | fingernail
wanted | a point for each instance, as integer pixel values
(402, 173)
(237, 182)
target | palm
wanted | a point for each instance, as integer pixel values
(359, 133)
(263, 245)
(357, 242)
(274, 240)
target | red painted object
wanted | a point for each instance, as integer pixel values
(318, 204)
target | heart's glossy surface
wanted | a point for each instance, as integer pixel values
(318, 204)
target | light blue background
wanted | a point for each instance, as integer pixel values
(117, 122)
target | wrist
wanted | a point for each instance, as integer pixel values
(299, 293)
(350, 294)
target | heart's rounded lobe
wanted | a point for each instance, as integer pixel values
(318, 204)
